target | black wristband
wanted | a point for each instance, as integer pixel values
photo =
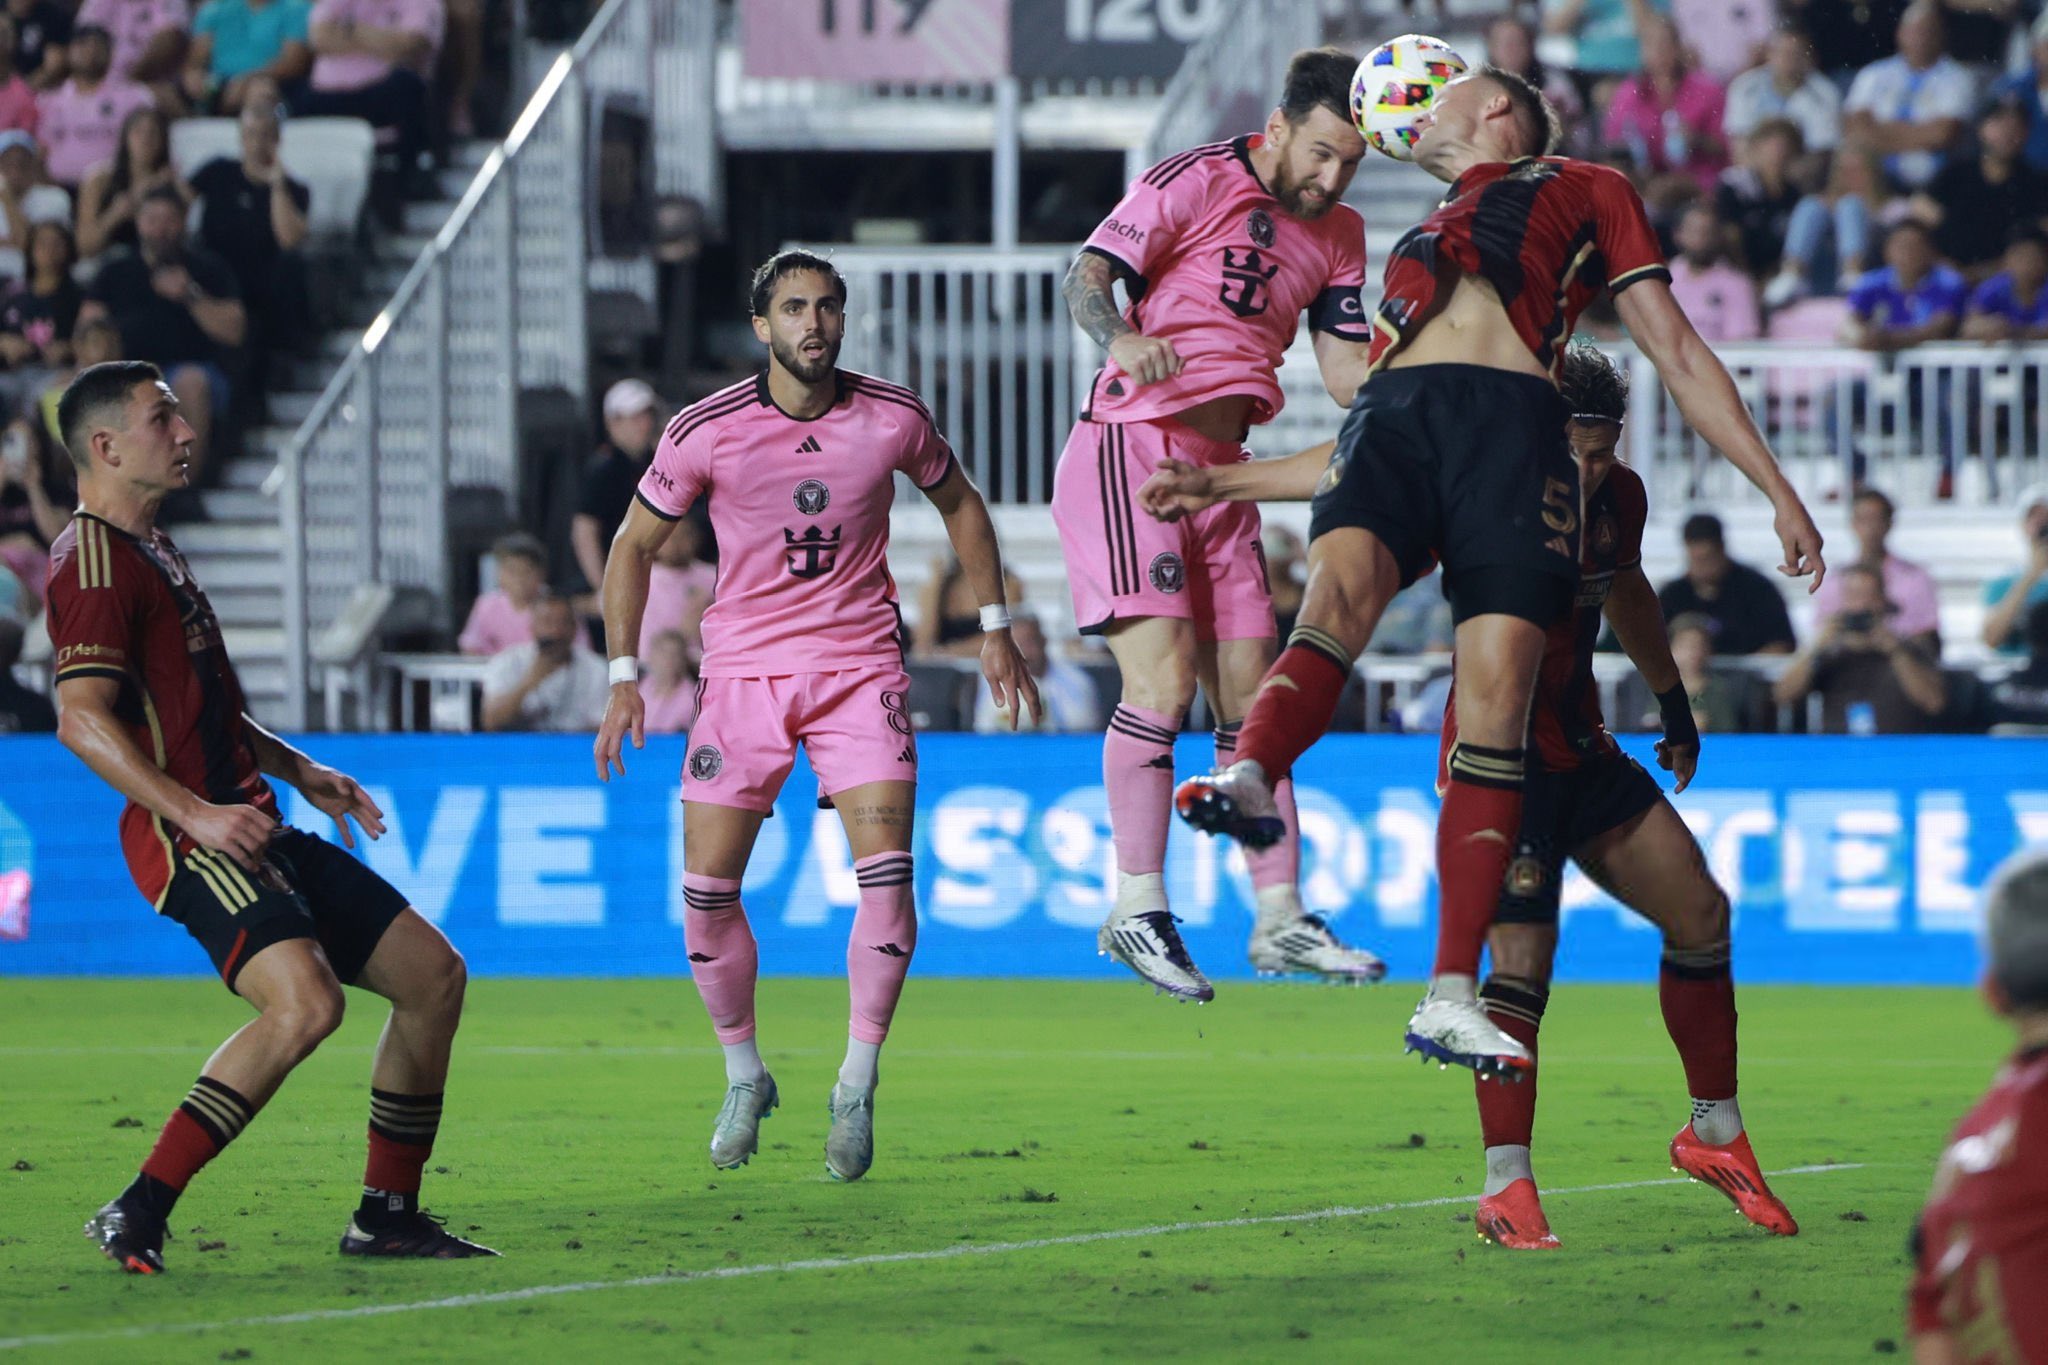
(1674, 706)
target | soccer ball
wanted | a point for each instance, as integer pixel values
(1398, 80)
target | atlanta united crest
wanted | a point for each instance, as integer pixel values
(706, 762)
(1525, 876)
(811, 497)
(1259, 227)
(1604, 535)
(1167, 573)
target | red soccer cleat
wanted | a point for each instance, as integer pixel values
(1733, 1171)
(1514, 1219)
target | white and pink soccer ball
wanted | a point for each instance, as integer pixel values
(1397, 81)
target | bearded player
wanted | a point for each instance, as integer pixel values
(150, 701)
(800, 647)
(1220, 249)
(1454, 453)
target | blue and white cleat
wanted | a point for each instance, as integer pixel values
(1238, 802)
(1147, 943)
(736, 1136)
(1456, 1032)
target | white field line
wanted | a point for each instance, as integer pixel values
(950, 1253)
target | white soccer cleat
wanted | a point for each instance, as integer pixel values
(1147, 943)
(736, 1135)
(1457, 1032)
(850, 1146)
(1307, 946)
(1237, 801)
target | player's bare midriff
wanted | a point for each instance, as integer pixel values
(1472, 328)
(1225, 418)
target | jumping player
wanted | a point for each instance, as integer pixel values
(150, 701)
(1454, 453)
(800, 646)
(1220, 249)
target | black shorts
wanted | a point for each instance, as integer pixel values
(1562, 812)
(307, 888)
(1469, 466)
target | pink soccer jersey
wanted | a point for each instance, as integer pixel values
(1214, 265)
(801, 510)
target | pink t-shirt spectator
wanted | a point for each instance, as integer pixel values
(1637, 119)
(671, 712)
(801, 512)
(133, 23)
(1907, 586)
(1720, 300)
(80, 130)
(494, 626)
(17, 106)
(1725, 35)
(356, 70)
(676, 599)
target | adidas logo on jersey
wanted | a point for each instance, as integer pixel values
(810, 447)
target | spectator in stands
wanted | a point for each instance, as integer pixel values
(1846, 37)
(235, 41)
(113, 190)
(150, 37)
(551, 682)
(680, 583)
(253, 216)
(17, 96)
(669, 690)
(1511, 46)
(1722, 703)
(1787, 87)
(503, 617)
(372, 60)
(2009, 597)
(38, 315)
(2013, 304)
(1912, 298)
(177, 305)
(80, 121)
(1416, 621)
(1871, 677)
(1975, 202)
(26, 197)
(1066, 694)
(1718, 297)
(14, 598)
(1757, 195)
(1726, 37)
(1741, 609)
(1603, 33)
(1286, 574)
(462, 61)
(2021, 697)
(36, 497)
(1831, 237)
(1908, 589)
(631, 423)
(93, 342)
(1668, 115)
(42, 41)
(1911, 107)
(2029, 87)
(949, 614)
(21, 711)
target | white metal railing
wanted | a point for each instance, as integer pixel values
(1231, 78)
(427, 402)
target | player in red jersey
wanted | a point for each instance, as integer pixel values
(801, 646)
(1980, 1249)
(1221, 250)
(1453, 453)
(1588, 801)
(150, 701)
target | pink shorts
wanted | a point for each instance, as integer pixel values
(854, 726)
(1122, 564)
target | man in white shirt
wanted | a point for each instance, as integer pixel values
(551, 682)
(1911, 107)
(1786, 86)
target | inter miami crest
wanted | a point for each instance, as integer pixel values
(1167, 573)
(1259, 227)
(811, 497)
(706, 762)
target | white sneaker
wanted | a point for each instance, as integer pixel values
(850, 1146)
(1147, 943)
(1458, 1031)
(1784, 288)
(1238, 801)
(736, 1136)
(1306, 946)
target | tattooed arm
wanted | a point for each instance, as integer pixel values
(1146, 360)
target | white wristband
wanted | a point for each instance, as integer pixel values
(996, 617)
(625, 669)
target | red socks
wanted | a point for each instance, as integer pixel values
(402, 1131)
(1697, 991)
(211, 1116)
(1296, 702)
(1507, 1112)
(1475, 837)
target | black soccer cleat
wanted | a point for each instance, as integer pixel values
(129, 1238)
(419, 1234)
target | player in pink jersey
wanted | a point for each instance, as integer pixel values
(800, 646)
(1221, 249)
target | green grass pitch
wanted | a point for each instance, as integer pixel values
(1125, 1136)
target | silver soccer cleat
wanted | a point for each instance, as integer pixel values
(1307, 946)
(1147, 943)
(736, 1136)
(850, 1146)
(1458, 1033)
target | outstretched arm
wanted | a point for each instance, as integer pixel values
(1638, 621)
(1707, 398)
(973, 534)
(1178, 489)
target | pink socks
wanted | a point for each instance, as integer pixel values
(1137, 774)
(884, 936)
(722, 956)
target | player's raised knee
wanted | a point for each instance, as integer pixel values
(1704, 923)
(308, 1016)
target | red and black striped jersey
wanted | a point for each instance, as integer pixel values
(129, 610)
(1548, 233)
